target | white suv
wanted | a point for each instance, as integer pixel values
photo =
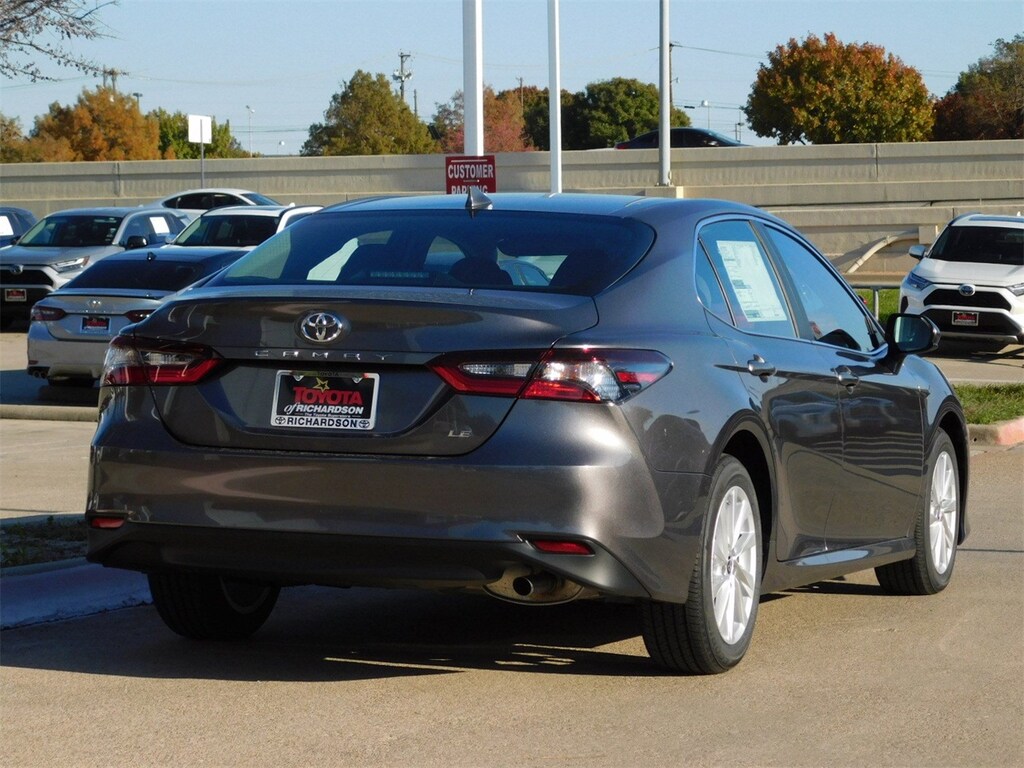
(971, 281)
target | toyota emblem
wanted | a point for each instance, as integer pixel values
(966, 289)
(322, 327)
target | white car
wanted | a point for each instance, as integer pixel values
(240, 226)
(59, 246)
(970, 282)
(193, 202)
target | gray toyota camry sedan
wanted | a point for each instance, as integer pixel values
(685, 407)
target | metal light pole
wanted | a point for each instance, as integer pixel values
(706, 103)
(251, 112)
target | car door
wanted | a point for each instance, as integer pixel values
(881, 404)
(790, 387)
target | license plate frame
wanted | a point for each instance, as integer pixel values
(316, 400)
(15, 295)
(95, 324)
(964, 319)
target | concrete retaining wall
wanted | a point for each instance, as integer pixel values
(846, 198)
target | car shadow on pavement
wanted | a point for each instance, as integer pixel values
(18, 388)
(319, 634)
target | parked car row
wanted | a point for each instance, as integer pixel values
(81, 275)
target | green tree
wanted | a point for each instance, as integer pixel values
(504, 130)
(102, 125)
(987, 101)
(26, 26)
(613, 110)
(174, 144)
(826, 92)
(13, 143)
(367, 118)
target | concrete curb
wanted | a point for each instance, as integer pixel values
(70, 590)
(48, 412)
(1006, 433)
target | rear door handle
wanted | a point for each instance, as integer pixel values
(758, 366)
(846, 377)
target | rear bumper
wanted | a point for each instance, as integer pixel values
(49, 356)
(289, 517)
(342, 561)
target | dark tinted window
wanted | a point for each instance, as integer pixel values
(72, 231)
(748, 277)
(146, 275)
(980, 245)
(228, 231)
(576, 254)
(830, 312)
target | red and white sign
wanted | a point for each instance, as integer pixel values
(463, 171)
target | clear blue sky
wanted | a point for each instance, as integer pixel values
(286, 58)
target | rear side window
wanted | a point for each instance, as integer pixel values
(228, 231)
(494, 249)
(748, 278)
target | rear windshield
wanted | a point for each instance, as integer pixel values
(72, 231)
(150, 275)
(494, 249)
(228, 231)
(981, 245)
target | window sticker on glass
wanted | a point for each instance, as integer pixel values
(159, 224)
(751, 281)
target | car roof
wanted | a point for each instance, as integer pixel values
(255, 210)
(171, 253)
(206, 190)
(110, 211)
(987, 220)
(567, 203)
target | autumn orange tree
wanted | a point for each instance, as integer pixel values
(504, 129)
(102, 125)
(828, 92)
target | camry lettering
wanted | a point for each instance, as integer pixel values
(295, 354)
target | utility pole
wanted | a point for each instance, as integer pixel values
(522, 102)
(251, 112)
(401, 75)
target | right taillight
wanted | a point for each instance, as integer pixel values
(138, 361)
(581, 374)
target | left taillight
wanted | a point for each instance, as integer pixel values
(44, 314)
(582, 375)
(133, 361)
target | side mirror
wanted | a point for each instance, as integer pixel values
(135, 241)
(918, 251)
(912, 334)
(14, 240)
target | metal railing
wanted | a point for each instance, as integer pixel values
(875, 288)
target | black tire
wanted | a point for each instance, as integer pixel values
(209, 607)
(936, 530)
(689, 637)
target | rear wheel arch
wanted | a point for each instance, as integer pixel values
(955, 428)
(751, 449)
